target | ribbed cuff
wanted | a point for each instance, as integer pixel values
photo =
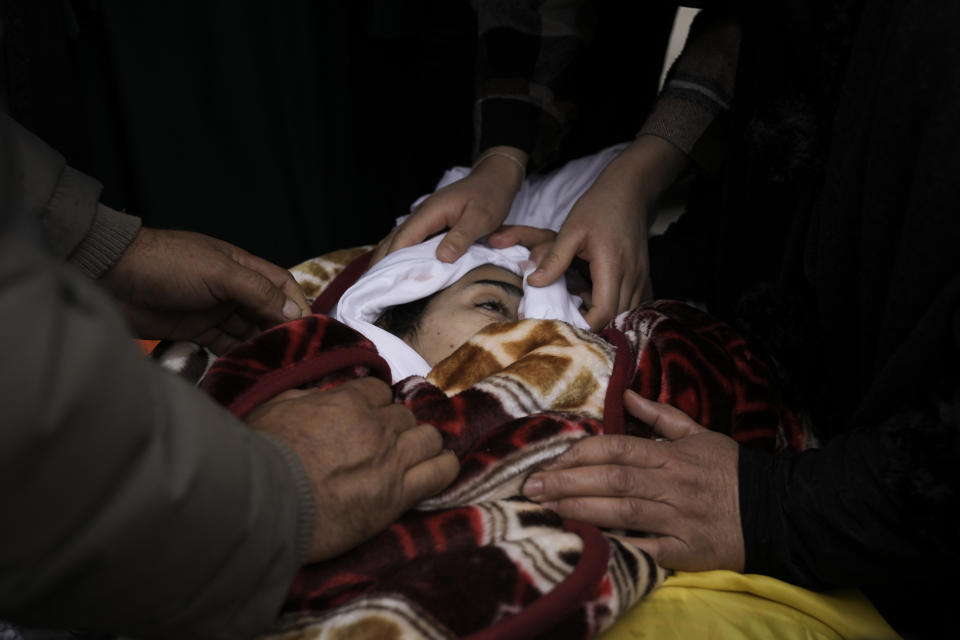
(70, 210)
(109, 236)
(679, 122)
(307, 515)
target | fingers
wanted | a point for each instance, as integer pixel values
(429, 218)
(293, 394)
(638, 296)
(280, 277)
(216, 340)
(645, 291)
(255, 294)
(238, 327)
(417, 444)
(664, 419)
(606, 276)
(599, 450)
(383, 247)
(540, 251)
(609, 480)
(557, 259)
(476, 221)
(373, 391)
(529, 237)
(429, 477)
(617, 513)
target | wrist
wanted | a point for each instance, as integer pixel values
(509, 163)
(651, 164)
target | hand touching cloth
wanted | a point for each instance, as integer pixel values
(178, 285)
(682, 489)
(470, 207)
(473, 202)
(607, 227)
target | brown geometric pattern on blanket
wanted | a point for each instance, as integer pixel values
(316, 274)
(477, 559)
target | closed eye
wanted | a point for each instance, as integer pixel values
(494, 305)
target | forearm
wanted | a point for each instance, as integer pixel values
(651, 164)
(36, 179)
(527, 51)
(527, 74)
(131, 503)
(700, 85)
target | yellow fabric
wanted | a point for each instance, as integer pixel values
(724, 605)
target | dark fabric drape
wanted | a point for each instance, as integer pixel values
(832, 238)
(290, 129)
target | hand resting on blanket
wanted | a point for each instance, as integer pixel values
(367, 458)
(513, 397)
(683, 488)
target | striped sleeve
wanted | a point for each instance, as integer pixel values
(526, 75)
(700, 84)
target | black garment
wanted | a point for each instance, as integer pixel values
(289, 129)
(841, 199)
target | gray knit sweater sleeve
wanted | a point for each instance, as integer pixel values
(75, 225)
(130, 503)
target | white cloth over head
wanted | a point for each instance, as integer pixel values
(414, 272)
(545, 200)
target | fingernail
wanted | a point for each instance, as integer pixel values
(291, 311)
(533, 487)
(550, 504)
(446, 253)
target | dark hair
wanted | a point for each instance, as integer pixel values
(403, 320)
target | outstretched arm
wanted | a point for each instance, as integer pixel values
(608, 225)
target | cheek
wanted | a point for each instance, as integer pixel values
(440, 338)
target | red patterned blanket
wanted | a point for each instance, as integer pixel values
(478, 560)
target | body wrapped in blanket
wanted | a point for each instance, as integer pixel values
(511, 398)
(478, 559)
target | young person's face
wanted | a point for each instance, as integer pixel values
(486, 295)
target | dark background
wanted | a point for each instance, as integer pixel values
(289, 128)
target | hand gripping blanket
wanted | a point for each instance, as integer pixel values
(478, 560)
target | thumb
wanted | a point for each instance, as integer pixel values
(256, 296)
(556, 261)
(476, 221)
(666, 420)
(429, 218)
(281, 278)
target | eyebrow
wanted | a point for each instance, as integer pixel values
(507, 287)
